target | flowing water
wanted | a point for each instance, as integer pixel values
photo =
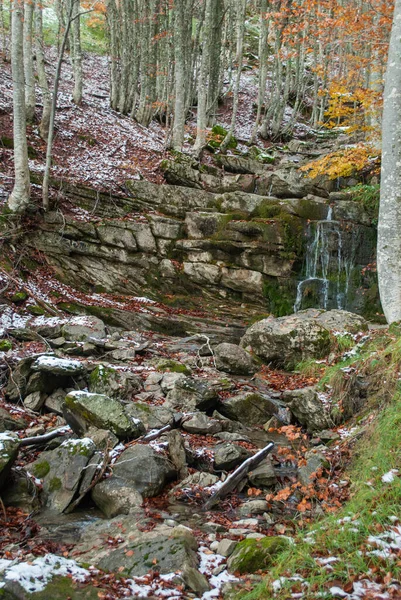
(328, 266)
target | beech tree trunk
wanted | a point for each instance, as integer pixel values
(76, 51)
(389, 227)
(203, 82)
(40, 65)
(19, 198)
(30, 100)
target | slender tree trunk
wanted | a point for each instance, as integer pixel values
(19, 198)
(46, 175)
(3, 32)
(76, 51)
(239, 57)
(389, 227)
(203, 82)
(263, 55)
(30, 100)
(40, 64)
(180, 83)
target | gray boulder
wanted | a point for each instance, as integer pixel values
(9, 445)
(315, 460)
(228, 456)
(190, 394)
(82, 328)
(263, 476)
(114, 383)
(143, 469)
(62, 472)
(83, 410)
(10, 422)
(231, 358)
(200, 423)
(153, 417)
(249, 408)
(308, 409)
(305, 334)
(115, 497)
(58, 366)
(252, 555)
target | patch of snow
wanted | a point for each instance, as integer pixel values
(80, 443)
(34, 576)
(56, 362)
(390, 476)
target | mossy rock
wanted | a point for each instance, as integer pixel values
(173, 366)
(254, 555)
(59, 588)
(5, 345)
(19, 297)
(36, 310)
(41, 469)
(217, 136)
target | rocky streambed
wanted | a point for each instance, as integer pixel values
(114, 441)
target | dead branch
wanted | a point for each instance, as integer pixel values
(238, 475)
(46, 437)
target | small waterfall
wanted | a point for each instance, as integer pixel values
(328, 267)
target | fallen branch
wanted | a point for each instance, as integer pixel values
(46, 437)
(235, 478)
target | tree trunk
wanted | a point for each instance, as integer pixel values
(30, 100)
(40, 64)
(19, 198)
(180, 83)
(203, 82)
(389, 227)
(76, 51)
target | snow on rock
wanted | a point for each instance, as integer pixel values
(34, 576)
(57, 366)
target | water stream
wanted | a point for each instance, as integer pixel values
(328, 266)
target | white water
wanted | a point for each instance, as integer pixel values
(322, 260)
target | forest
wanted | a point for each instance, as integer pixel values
(200, 299)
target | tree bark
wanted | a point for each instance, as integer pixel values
(30, 100)
(19, 198)
(40, 64)
(389, 227)
(76, 51)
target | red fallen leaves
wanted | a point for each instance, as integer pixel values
(279, 380)
(17, 528)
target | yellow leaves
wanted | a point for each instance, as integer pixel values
(343, 163)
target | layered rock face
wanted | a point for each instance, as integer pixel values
(247, 232)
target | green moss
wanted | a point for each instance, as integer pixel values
(5, 345)
(41, 469)
(279, 296)
(61, 588)
(36, 310)
(369, 197)
(267, 209)
(173, 366)
(54, 484)
(217, 136)
(19, 297)
(253, 555)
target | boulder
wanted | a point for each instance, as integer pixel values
(285, 341)
(82, 328)
(228, 456)
(9, 422)
(253, 555)
(190, 394)
(35, 401)
(83, 410)
(9, 445)
(54, 402)
(249, 408)
(114, 383)
(58, 366)
(231, 358)
(200, 423)
(62, 472)
(308, 409)
(143, 469)
(199, 479)
(253, 507)
(263, 476)
(315, 460)
(153, 417)
(114, 496)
